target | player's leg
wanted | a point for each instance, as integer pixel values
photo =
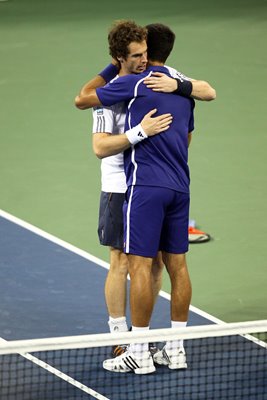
(142, 234)
(157, 271)
(181, 290)
(137, 358)
(116, 284)
(116, 296)
(141, 291)
(175, 243)
(143, 216)
(173, 353)
(110, 231)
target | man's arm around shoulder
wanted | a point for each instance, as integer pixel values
(87, 97)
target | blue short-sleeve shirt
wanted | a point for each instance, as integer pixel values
(161, 160)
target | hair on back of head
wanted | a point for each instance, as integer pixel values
(160, 41)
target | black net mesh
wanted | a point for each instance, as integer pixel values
(219, 367)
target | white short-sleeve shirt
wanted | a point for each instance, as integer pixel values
(111, 120)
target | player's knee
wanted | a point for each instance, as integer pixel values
(157, 266)
(138, 271)
(157, 270)
(120, 269)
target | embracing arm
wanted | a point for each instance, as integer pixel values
(87, 97)
(107, 144)
(200, 90)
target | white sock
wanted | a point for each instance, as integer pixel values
(117, 324)
(138, 348)
(176, 343)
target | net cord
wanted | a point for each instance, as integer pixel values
(156, 335)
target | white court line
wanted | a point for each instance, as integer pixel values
(60, 374)
(90, 257)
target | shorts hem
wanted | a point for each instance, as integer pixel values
(175, 251)
(141, 254)
(115, 245)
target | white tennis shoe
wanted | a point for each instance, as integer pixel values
(173, 358)
(128, 362)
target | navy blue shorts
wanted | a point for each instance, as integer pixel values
(110, 222)
(155, 219)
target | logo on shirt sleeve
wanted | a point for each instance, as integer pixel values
(99, 110)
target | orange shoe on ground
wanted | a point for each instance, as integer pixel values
(197, 236)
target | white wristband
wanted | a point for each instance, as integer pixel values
(136, 134)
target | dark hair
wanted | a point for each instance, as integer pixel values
(160, 41)
(121, 34)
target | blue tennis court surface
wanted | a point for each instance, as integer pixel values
(48, 290)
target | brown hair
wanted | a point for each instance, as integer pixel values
(121, 34)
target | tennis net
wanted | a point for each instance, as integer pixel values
(227, 361)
